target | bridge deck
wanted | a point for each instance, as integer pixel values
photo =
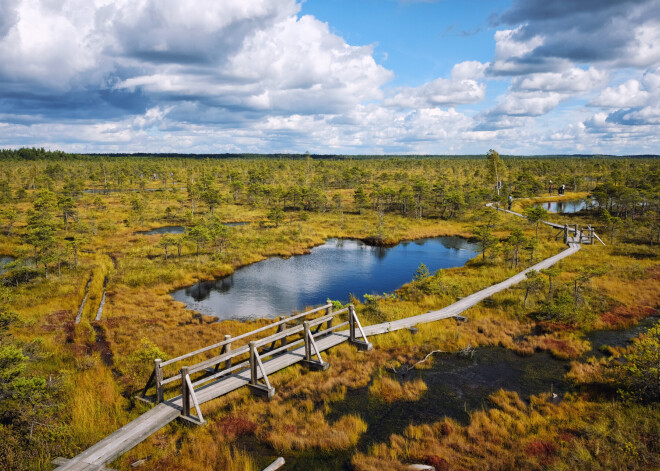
(112, 446)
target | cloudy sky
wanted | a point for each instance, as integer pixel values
(331, 76)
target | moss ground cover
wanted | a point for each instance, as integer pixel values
(64, 386)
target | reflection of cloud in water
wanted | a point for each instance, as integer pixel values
(335, 269)
(4, 261)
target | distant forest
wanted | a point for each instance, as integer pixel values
(33, 153)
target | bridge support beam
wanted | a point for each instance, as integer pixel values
(258, 388)
(353, 322)
(188, 396)
(309, 345)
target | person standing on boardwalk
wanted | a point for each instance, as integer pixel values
(510, 202)
(550, 187)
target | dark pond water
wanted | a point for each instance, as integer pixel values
(566, 207)
(617, 338)
(163, 230)
(235, 223)
(333, 270)
(181, 229)
(457, 385)
(106, 191)
(4, 260)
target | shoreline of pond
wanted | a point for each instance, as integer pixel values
(466, 242)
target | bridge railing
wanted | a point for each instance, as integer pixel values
(249, 355)
(576, 234)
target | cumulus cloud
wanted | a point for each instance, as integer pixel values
(550, 32)
(574, 80)
(635, 102)
(240, 55)
(8, 16)
(629, 93)
(440, 92)
(257, 76)
(462, 88)
(538, 94)
(469, 70)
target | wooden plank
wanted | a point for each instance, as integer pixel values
(220, 374)
(125, 438)
(277, 464)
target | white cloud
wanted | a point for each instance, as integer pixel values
(255, 76)
(439, 92)
(629, 93)
(571, 81)
(249, 55)
(510, 46)
(469, 70)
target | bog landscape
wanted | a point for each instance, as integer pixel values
(334, 235)
(109, 263)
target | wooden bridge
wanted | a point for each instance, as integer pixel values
(572, 234)
(226, 366)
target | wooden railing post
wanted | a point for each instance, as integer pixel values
(188, 395)
(283, 341)
(185, 394)
(351, 324)
(225, 349)
(565, 233)
(255, 364)
(158, 374)
(309, 344)
(329, 313)
(354, 322)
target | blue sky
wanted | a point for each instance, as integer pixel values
(331, 76)
(420, 41)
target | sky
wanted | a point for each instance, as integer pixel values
(524, 77)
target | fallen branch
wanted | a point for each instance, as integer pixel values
(405, 371)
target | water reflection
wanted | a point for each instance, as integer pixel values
(566, 207)
(4, 260)
(181, 229)
(163, 230)
(333, 270)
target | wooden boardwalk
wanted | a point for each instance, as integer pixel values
(469, 301)
(114, 445)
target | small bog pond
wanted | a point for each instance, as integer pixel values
(4, 260)
(163, 230)
(181, 229)
(333, 270)
(566, 207)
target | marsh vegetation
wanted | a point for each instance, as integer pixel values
(64, 386)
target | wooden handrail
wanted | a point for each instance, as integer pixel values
(228, 353)
(245, 335)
